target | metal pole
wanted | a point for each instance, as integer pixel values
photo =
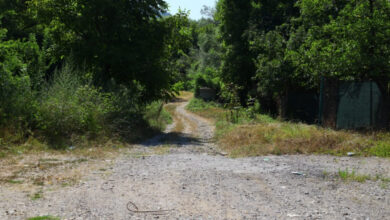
(321, 104)
(371, 106)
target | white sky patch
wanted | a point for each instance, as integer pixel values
(194, 6)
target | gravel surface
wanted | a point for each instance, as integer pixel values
(193, 180)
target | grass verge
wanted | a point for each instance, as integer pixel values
(256, 134)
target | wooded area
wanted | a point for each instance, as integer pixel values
(78, 67)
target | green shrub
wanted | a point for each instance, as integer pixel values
(70, 106)
(156, 116)
(196, 104)
(207, 79)
(381, 149)
(20, 71)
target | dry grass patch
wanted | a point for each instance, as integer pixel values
(185, 95)
(32, 170)
(289, 138)
(162, 150)
(55, 167)
(262, 135)
(179, 123)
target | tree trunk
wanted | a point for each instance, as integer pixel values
(331, 102)
(383, 120)
(281, 102)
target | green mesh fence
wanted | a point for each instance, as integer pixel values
(302, 106)
(359, 105)
(340, 105)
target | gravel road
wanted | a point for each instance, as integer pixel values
(182, 175)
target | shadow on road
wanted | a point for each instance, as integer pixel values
(174, 138)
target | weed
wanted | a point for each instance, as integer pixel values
(353, 176)
(44, 218)
(325, 174)
(37, 195)
(15, 181)
(157, 116)
(44, 160)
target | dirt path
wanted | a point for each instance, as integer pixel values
(181, 175)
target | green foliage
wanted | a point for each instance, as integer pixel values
(380, 149)
(177, 49)
(208, 79)
(271, 47)
(205, 56)
(198, 105)
(346, 175)
(156, 116)
(130, 55)
(119, 41)
(352, 43)
(21, 70)
(69, 106)
(237, 66)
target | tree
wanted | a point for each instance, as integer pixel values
(269, 33)
(352, 44)
(237, 65)
(178, 44)
(119, 41)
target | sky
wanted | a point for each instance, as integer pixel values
(193, 5)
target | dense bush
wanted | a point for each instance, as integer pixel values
(156, 116)
(20, 63)
(70, 106)
(125, 74)
(208, 79)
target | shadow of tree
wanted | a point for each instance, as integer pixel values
(173, 138)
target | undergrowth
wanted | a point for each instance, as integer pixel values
(70, 111)
(253, 134)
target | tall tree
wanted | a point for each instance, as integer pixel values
(237, 67)
(121, 41)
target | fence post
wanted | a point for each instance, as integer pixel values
(321, 104)
(371, 106)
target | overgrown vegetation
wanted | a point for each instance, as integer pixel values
(66, 79)
(74, 71)
(256, 134)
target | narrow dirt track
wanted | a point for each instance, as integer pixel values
(193, 180)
